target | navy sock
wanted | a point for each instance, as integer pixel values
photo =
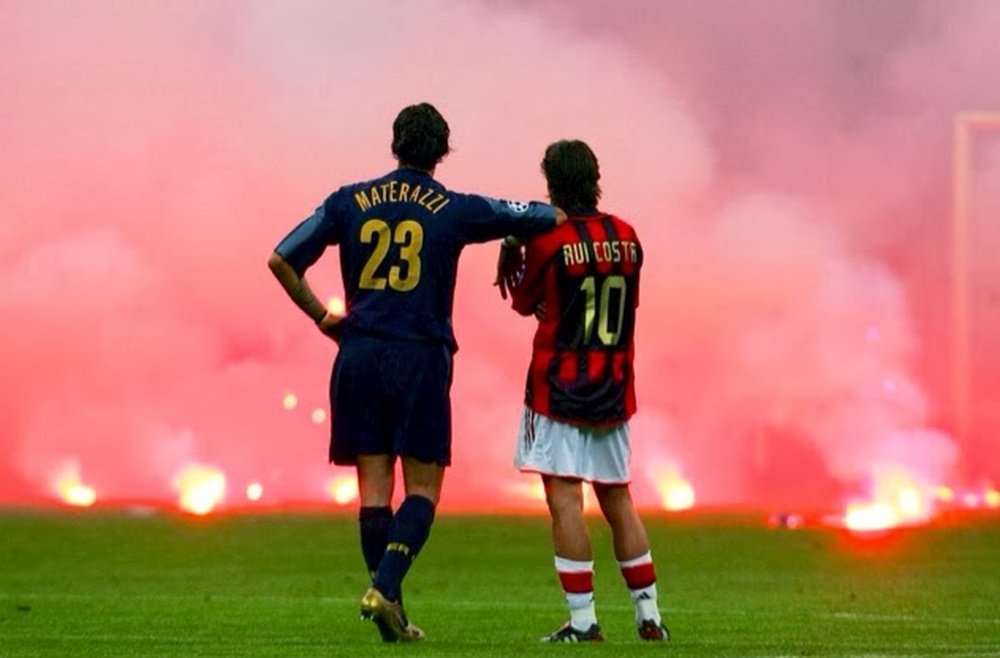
(374, 522)
(409, 531)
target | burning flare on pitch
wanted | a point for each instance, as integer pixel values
(898, 498)
(70, 487)
(676, 492)
(255, 491)
(532, 489)
(343, 489)
(991, 497)
(201, 488)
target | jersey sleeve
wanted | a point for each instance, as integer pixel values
(303, 246)
(485, 218)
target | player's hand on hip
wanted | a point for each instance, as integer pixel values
(331, 325)
(540, 311)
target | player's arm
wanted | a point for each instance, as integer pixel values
(521, 234)
(529, 290)
(298, 290)
(295, 254)
(485, 218)
(510, 261)
(510, 265)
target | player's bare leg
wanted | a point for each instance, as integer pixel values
(570, 537)
(410, 527)
(422, 479)
(631, 546)
(375, 479)
(627, 530)
(574, 559)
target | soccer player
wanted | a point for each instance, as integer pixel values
(582, 281)
(399, 236)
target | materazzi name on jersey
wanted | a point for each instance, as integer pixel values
(397, 192)
(603, 251)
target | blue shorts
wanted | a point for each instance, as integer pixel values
(391, 397)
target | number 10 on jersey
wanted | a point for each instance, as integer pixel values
(602, 302)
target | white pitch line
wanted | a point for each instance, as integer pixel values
(912, 618)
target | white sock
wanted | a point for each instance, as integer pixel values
(645, 604)
(577, 577)
(644, 598)
(582, 614)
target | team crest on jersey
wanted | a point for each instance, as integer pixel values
(517, 206)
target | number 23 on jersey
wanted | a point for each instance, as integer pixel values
(405, 243)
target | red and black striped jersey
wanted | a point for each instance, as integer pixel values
(586, 271)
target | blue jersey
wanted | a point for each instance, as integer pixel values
(400, 237)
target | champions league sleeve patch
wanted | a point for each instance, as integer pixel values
(518, 207)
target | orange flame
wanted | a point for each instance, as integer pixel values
(255, 491)
(945, 494)
(533, 489)
(988, 498)
(70, 487)
(897, 499)
(970, 499)
(343, 489)
(862, 517)
(590, 504)
(991, 497)
(201, 488)
(676, 492)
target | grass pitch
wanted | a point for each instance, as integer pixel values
(104, 583)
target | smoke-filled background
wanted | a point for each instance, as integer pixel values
(789, 166)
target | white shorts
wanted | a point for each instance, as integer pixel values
(592, 454)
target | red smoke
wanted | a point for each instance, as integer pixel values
(788, 167)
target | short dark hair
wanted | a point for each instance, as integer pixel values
(572, 172)
(420, 136)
